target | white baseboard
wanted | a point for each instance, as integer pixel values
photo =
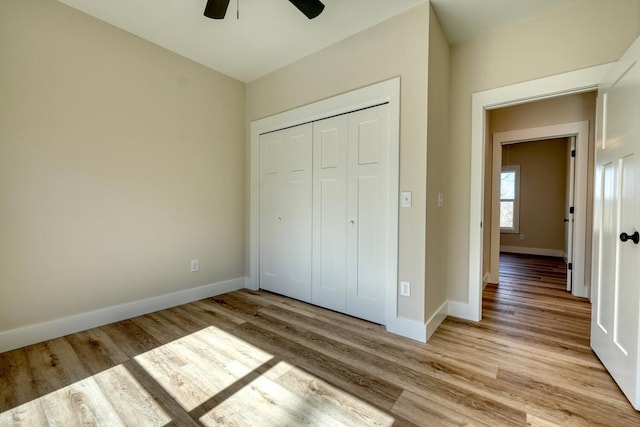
(408, 328)
(461, 310)
(27, 335)
(532, 251)
(437, 318)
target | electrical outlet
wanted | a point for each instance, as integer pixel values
(440, 200)
(405, 289)
(195, 265)
(521, 236)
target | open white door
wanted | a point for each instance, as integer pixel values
(569, 212)
(616, 252)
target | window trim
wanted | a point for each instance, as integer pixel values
(516, 200)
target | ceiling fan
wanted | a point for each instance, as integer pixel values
(216, 9)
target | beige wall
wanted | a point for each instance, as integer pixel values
(543, 193)
(437, 146)
(564, 109)
(581, 34)
(397, 47)
(119, 162)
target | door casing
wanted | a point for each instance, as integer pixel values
(562, 84)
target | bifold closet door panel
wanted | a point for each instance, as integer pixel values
(285, 212)
(367, 198)
(330, 213)
(271, 200)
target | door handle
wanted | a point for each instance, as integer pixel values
(635, 237)
(566, 220)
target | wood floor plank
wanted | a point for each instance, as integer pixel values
(28, 414)
(161, 396)
(160, 327)
(17, 385)
(96, 350)
(132, 403)
(54, 365)
(80, 403)
(130, 337)
(424, 411)
(344, 407)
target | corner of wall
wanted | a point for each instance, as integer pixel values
(438, 94)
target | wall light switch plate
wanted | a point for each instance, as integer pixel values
(195, 265)
(405, 289)
(405, 199)
(440, 200)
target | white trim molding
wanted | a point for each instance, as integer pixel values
(27, 335)
(408, 328)
(386, 92)
(534, 90)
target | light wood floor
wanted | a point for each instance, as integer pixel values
(256, 359)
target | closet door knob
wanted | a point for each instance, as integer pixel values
(352, 222)
(279, 218)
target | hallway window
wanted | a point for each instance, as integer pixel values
(509, 203)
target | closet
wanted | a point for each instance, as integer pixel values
(323, 212)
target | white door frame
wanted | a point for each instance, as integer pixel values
(386, 92)
(581, 132)
(547, 87)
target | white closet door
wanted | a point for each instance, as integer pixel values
(271, 200)
(285, 212)
(330, 213)
(368, 169)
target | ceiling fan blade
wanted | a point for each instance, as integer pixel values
(216, 9)
(311, 8)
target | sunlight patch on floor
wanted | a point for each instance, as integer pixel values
(214, 376)
(105, 399)
(293, 397)
(197, 367)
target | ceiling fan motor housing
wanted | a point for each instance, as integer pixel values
(217, 9)
(311, 8)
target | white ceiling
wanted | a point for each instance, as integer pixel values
(273, 33)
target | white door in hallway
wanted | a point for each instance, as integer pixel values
(616, 248)
(569, 210)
